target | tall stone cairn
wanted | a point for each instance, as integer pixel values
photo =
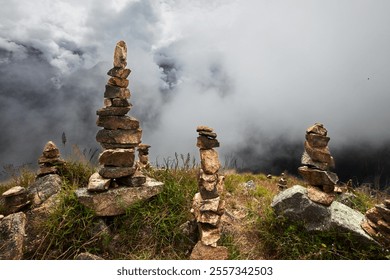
(317, 161)
(377, 222)
(207, 205)
(121, 134)
(49, 160)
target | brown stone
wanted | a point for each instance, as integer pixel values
(88, 257)
(119, 102)
(317, 128)
(97, 183)
(210, 204)
(107, 102)
(120, 55)
(220, 184)
(209, 217)
(143, 148)
(50, 161)
(122, 136)
(367, 228)
(115, 201)
(204, 142)
(373, 215)
(45, 170)
(119, 72)
(209, 161)
(204, 128)
(118, 82)
(317, 177)
(136, 180)
(306, 160)
(50, 150)
(204, 252)
(12, 232)
(384, 212)
(318, 196)
(118, 146)
(319, 154)
(317, 141)
(208, 185)
(14, 191)
(116, 92)
(209, 234)
(387, 203)
(113, 111)
(384, 226)
(116, 172)
(117, 122)
(117, 157)
(144, 159)
(211, 135)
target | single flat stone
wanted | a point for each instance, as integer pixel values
(317, 177)
(116, 172)
(118, 82)
(208, 185)
(119, 102)
(43, 188)
(209, 234)
(387, 203)
(373, 215)
(384, 226)
(209, 217)
(317, 128)
(51, 161)
(306, 160)
(317, 141)
(143, 148)
(209, 161)
(136, 180)
(204, 142)
(118, 146)
(113, 111)
(204, 128)
(384, 212)
(14, 191)
(120, 136)
(46, 170)
(319, 196)
(97, 183)
(368, 229)
(116, 92)
(319, 154)
(211, 135)
(115, 201)
(120, 55)
(117, 122)
(204, 252)
(119, 72)
(117, 157)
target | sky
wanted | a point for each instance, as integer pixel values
(258, 71)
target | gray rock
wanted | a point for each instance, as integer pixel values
(12, 231)
(115, 201)
(97, 183)
(87, 256)
(43, 188)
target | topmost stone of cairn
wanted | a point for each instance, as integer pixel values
(120, 55)
(317, 128)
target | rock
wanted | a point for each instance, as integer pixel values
(43, 188)
(117, 157)
(119, 72)
(346, 199)
(97, 183)
(210, 204)
(209, 161)
(319, 196)
(383, 211)
(121, 136)
(209, 235)
(204, 252)
(116, 172)
(116, 92)
(316, 177)
(269, 176)
(306, 160)
(204, 142)
(373, 215)
(119, 82)
(119, 102)
(12, 231)
(120, 55)
(387, 203)
(50, 150)
(115, 201)
(220, 184)
(210, 135)
(107, 102)
(319, 154)
(209, 217)
(384, 226)
(317, 128)
(317, 141)
(250, 184)
(113, 111)
(1, 217)
(118, 122)
(295, 205)
(17, 190)
(46, 170)
(367, 228)
(87, 256)
(203, 128)
(136, 180)
(208, 185)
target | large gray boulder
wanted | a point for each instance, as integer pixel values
(295, 205)
(43, 188)
(115, 201)
(12, 230)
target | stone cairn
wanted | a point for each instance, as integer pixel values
(14, 200)
(143, 157)
(317, 161)
(282, 183)
(121, 134)
(377, 222)
(49, 160)
(207, 205)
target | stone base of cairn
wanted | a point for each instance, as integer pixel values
(120, 136)
(317, 161)
(377, 222)
(49, 160)
(207, 206)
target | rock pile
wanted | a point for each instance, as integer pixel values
(49, 160)
(377, 222)
(317, 161)
(120, 136)
(207, 205)
(282, 183)
(14, 200)
(143, 157)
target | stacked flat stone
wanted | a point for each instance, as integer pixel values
(317, 159)
(143, 157)
(14, 200)
(121, 134)
(282, 183)
(377, 222)
(207, 205)
(49, 160)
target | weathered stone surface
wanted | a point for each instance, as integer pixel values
(50, 150)
(209, 217)
(295, 205)
(220, 184)
(122, 136)
(97, 183)
(115, 201)
(208, 185)
(384, 226)
(13, 204)
(144, 159)
(118, 82)
(319, 196)
(118, 146)
(12, 231)
(136, 180)
(210, 204)
(116, 92)
(373, 215)
(87, 256)
(120, 55)
(306, 160)
(51, 161)
(17, 190)
(204, 252)
(113, 111)
(317, 128)
(319, 154)
(209, 161)
(119, 102)
(107, 102)
(317, 177)
(109, 172)
(43, 188)
(204, 142)
(367, 228)
(203, 128)
(209, 235)
(119, 72)
(1, 217)
(317, 141)
(383, 211)
(117, 157)
(211, 135)
(144, 148)
(118, 122)
(46, 170)
(387, 203)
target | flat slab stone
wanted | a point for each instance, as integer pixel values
(115, 201)
(209, 161)
(14, 191)
(119, 72)
(117, 122)
(317, 177)
(319, 196)
(120, 136)
(116, 92)
(113, 111)
(117, 157)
